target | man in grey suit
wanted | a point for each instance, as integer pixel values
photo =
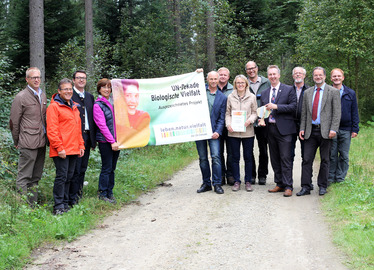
(320, 118)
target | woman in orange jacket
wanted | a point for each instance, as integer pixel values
(66, 142)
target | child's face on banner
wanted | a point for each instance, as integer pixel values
(132, 98)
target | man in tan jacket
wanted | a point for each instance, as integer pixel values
(28, 126)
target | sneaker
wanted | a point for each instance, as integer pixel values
(248, 186)
(105, 199)
(236, 186)
(58, 212)
(113, 199)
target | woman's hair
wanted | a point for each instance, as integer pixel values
(127, 83)
(103, 82)
(241, 76)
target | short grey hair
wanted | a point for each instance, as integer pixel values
(273, 66)
(319, 68)
(304, 70)
(63, 81)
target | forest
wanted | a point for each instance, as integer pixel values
(147, 39)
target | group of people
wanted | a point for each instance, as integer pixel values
(323, 117)
(72, 124)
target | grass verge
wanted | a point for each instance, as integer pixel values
(349, 206)
(23, 229)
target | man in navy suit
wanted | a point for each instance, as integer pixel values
(217, 108)
(86, 101)
(281, 100)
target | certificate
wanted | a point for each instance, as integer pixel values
(238, 120)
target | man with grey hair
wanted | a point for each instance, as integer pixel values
(226, 88)
(217, 109)
(320, 119)
(280, 100)
(27, 124)
(298, 74)
(258, 84)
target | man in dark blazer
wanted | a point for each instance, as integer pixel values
(217, 108)
(319, 123)
(86, 101)
(280, 99)
(298, 74)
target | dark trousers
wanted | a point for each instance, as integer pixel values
(108, 165)
(76, 185)
(294, 139)
(311, 145)
(64, 174)
(247, 154)
(226, 167)
(280, 157)
(262, 142)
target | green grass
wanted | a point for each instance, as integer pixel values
(23, 229)
(349, 206)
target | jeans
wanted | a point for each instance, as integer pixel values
(339, 157)
(247, 154)
(64, 174)
(202, 149)
(108, 165)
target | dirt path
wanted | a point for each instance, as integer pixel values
(176, 228)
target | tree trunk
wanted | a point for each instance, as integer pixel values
(177, 26)
(211, 50)
(36, 36)
(89, 36)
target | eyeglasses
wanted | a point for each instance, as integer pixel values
(252, 68)
(35, 78)
(81, 78)
(67, 89)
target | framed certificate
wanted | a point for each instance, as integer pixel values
(238, 120)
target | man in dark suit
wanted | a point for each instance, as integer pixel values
(86, 101)
(319, 123)
(298, 74)
(217, 108)
(280, 99)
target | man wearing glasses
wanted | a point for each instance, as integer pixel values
(86, 101)
(66, 142)
(27, 124)
(258, 84)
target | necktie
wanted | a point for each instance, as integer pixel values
(271, 118)
(315, 105)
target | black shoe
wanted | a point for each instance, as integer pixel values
(253, 181)
(303, 191)
(322, 191)
(230, 180)
(262, 181)
(218, 189)
(204, 187)
(311, 186)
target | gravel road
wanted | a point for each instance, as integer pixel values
(173, 227)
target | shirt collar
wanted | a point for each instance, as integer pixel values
(35, 92)
(322, 87)
(78, 92)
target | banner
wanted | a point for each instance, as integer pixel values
(161, 111)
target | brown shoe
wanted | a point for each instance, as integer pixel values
(276, 189)
(248, 186)
(287, 193)
(236, 186)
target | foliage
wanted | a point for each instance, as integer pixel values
(22, 228)
(339, 34)
(350, 205)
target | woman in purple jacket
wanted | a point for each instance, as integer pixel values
(103, 113)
